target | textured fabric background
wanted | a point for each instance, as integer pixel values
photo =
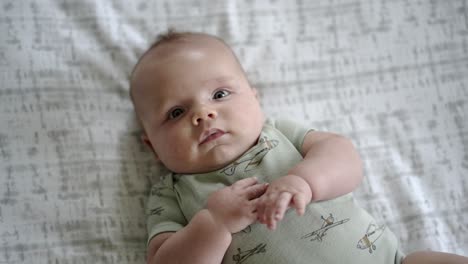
(392, 75)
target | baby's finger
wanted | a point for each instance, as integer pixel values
(241, 184)
(255, 191)
(251, 215)
(263, 206)
(272, 225)
(299, 203)
(275, 208)
(282, 205)
(259, 204)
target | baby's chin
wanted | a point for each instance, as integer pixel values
(215, 159)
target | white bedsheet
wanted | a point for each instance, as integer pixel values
(391, 75)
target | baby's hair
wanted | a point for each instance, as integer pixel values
(172, 36)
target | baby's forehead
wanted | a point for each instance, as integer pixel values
(181, 45)
(157, 58)
(153, 62)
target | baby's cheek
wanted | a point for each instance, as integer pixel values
(182, 131)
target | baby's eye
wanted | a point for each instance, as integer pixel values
(174, 113)
(220, 94)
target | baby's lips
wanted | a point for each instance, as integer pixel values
(210, 134)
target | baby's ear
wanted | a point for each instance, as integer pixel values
(147, 142)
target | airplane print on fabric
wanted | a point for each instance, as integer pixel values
(242, 256)
(372, 234)
(254, 156)
(156, 190)
(328, 223)
(157, 211)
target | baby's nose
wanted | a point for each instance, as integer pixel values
(203, 113)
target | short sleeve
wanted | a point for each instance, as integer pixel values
(295, 132)
(163, 210)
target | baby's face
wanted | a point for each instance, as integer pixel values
(196, 105)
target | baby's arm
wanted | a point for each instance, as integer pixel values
(208, 235)
(331, 167)
(200, 240)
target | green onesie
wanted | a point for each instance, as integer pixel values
(333, 231)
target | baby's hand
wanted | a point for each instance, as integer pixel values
(289, 190)
(234, 207)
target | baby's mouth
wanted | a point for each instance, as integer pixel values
(210, 134)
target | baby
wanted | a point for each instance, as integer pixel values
(232, 175)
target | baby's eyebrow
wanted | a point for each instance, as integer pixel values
(219, 80)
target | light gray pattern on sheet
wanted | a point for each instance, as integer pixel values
(392, 75)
